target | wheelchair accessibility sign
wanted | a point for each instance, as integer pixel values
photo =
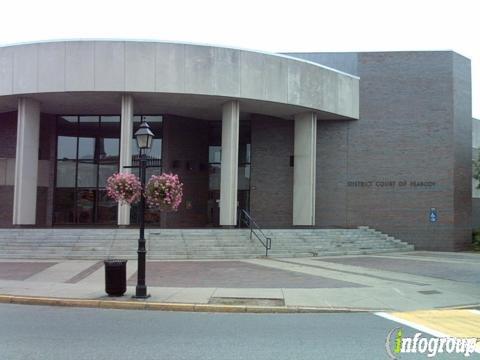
(433, 215)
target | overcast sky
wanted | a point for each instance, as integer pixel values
(275, 26)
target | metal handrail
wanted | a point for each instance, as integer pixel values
(244, 216)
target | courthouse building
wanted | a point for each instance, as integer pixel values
(323, 140)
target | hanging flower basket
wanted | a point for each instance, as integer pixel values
(124, 188)
(164, 191)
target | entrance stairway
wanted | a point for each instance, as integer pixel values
(191, 243)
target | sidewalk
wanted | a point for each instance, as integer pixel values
(384, 282)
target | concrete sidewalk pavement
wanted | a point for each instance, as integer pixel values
(386, 282)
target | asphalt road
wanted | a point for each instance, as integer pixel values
(40, 332)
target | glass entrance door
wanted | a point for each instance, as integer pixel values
(87, 154)
(88, 149)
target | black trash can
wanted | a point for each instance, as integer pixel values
(115, 277)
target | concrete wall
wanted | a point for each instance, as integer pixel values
(345, 61)
(175, 68)
(415, 126)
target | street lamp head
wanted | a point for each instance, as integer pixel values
(144, 136)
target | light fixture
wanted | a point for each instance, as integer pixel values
(144, 136)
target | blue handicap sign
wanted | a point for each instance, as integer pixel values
(433, 215)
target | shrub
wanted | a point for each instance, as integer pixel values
(476, 239)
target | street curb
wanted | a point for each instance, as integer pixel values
(183, 307)
(460, 307)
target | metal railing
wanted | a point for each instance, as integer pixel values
(245, 219)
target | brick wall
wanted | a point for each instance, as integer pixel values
(405, 132)
(332, 155)
(8, 135)
(462, 114)
(186, 145)
(415, 125)
(271, 184)
(6, 206)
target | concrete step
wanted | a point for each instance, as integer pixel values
(243, 247)
(191, 243)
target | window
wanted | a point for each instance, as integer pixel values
(88, 152)
(88, 149)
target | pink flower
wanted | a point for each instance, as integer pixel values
(164, 191)
(124, 188)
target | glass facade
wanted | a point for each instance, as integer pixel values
(88, 151)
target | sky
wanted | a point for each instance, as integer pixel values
(272, 26)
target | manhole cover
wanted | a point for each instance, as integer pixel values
(246, 301)
(429, 292)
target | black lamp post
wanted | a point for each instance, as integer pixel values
(144, 138)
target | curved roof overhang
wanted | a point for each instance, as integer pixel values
(185, 79)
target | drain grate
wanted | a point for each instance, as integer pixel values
(246, 301)
(429, 292)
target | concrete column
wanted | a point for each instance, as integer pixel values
(126, 135)
(26, 162)
(304, 174)
(229, 171)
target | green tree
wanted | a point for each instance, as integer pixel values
(476, 170)
(476, 176)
